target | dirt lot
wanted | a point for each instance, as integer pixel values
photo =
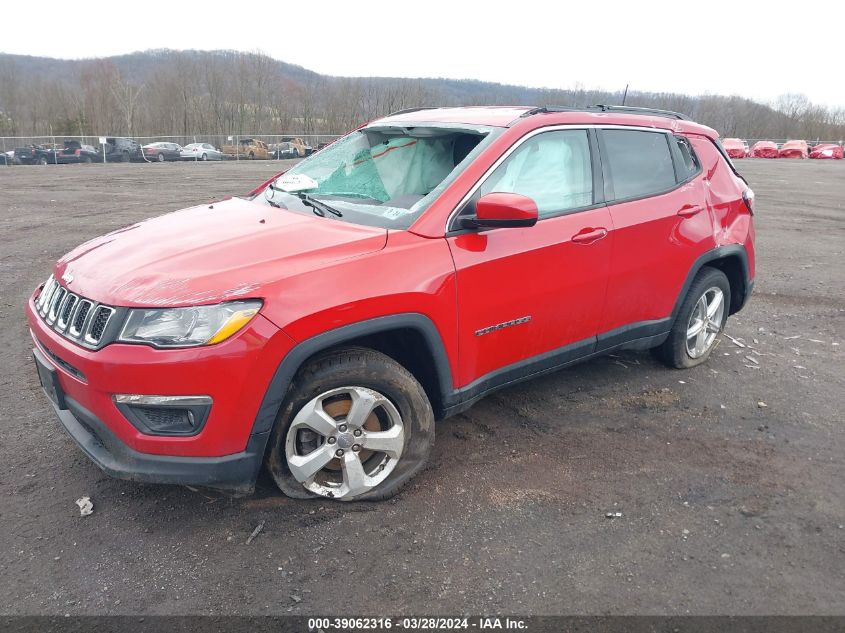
(728, 506)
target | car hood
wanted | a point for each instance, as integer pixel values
(209, 253)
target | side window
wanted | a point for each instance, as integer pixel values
(690, 164)
(640, 162)
(552, 168)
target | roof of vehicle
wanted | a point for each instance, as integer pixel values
(497, 116)
(508, 116)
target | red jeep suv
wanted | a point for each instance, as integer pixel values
(323, 322)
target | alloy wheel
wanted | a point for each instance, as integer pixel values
(345, 442)
(705, 322)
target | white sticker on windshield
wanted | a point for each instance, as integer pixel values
(295, 182)
(394, 212)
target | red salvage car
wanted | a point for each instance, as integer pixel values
(320, 325)
(827, 150)
(764, 149)
(736, 148)
(793, 149)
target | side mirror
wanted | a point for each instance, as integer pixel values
(500, 210)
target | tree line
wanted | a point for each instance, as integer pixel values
(170, 93)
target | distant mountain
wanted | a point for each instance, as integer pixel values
(166, 92)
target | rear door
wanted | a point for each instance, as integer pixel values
(655, 190)
(529, 296)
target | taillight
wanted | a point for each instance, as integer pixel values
(748, 199)
(78, 152)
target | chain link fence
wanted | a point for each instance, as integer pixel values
(224, 147)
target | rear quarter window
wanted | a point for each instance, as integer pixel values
(689, 161)
(639, 162)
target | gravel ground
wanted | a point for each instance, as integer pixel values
(728, 505)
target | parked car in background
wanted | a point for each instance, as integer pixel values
(794, 149)
(76, 152)
(282, 151)
(320, 324)
(736, 147)
(33, 155)
(121, 150)
(201, 151)
(302, 148)
(162, 151)
(827, 150)
(764, 149)
(248, 148)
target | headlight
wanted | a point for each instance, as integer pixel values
(188, 327)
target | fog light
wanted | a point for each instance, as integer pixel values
(165, 415)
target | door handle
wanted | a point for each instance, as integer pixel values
(589, 235)
(689, 210)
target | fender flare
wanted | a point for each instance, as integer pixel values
(720, 252)
(293, 360)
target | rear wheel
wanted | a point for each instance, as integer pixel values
(160, 158)
(124, 158)
(204, 157)
(702, 317)
(42, 160)
(356, 425)
(251, 156)
(86, 159)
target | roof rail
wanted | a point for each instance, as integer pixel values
(609, 108)
(646, 111)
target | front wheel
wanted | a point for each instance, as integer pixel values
(356, 425)
(699, 321)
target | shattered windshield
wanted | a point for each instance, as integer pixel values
(382, 175)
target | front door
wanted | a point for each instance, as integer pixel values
(531, 298)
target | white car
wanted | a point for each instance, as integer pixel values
(201, 151)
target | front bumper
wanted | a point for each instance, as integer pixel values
(226, 453)
(235, 473)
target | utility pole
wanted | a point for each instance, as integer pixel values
(625, 94)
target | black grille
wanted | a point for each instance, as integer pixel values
(99, 323)
(58, 297)
(73, 371)
(79, 319)
(68, 308)
(165, 417)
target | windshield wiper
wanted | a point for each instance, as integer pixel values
(318, 206)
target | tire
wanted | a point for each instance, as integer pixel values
(682, 351)
(251, 156)
(331, 380)
(124, 157)
(160, 158)
(87, 160)
(42, 160)
(204, 157)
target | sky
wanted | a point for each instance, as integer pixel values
(754, 49)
